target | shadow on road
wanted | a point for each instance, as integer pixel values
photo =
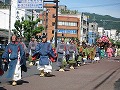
(20, 82)
(117, 85)
(117, 59)
(51, 75)
(1, 88)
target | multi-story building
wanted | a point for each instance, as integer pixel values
(93, 32)
(69, 25)
(83, 28)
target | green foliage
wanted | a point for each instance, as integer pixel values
(117, 44)
(68, 11)
(27, 28)
(4, 6)
(105, 21)
(37, 30)
(112, 41)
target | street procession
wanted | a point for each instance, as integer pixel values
(67, 55)
(59, 45)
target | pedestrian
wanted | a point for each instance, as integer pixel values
(62, 52)
(14, 57)
(109, 52)
(97, 53)
(31, 49)
(116, 51)
(44, 51)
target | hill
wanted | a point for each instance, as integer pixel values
(105, 21)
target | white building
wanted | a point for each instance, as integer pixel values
(100, 31)
(4, 15)
(111, 33)
(15, 14)
(84, 27)
(108, 33)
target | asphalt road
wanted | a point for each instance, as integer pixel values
(98, 76)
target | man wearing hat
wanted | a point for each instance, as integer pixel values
(44, 51)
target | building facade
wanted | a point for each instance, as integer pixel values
(69, 25)
(84, 28)
(112, 34)
(93, 33)
(100, 31)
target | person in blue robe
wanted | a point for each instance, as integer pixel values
(44, 51)
(14, 57)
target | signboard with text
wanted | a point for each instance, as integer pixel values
(67, 31)
(30, 4)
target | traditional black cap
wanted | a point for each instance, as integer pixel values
(44, 35)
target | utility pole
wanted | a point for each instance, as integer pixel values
(56, 19)
(56, 23)
(9, 35)
(46, 22)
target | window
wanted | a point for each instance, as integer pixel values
(67, 23)
(53, 23)
(84, 30)
(53, 16)
(52, 31)
(59, 23)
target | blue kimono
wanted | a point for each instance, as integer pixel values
(45, 51)
(11, 55)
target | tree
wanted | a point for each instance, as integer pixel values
(27, 28)
(117, 44)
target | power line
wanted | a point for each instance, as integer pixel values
(102, 5)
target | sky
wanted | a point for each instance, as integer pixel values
(102, 7)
